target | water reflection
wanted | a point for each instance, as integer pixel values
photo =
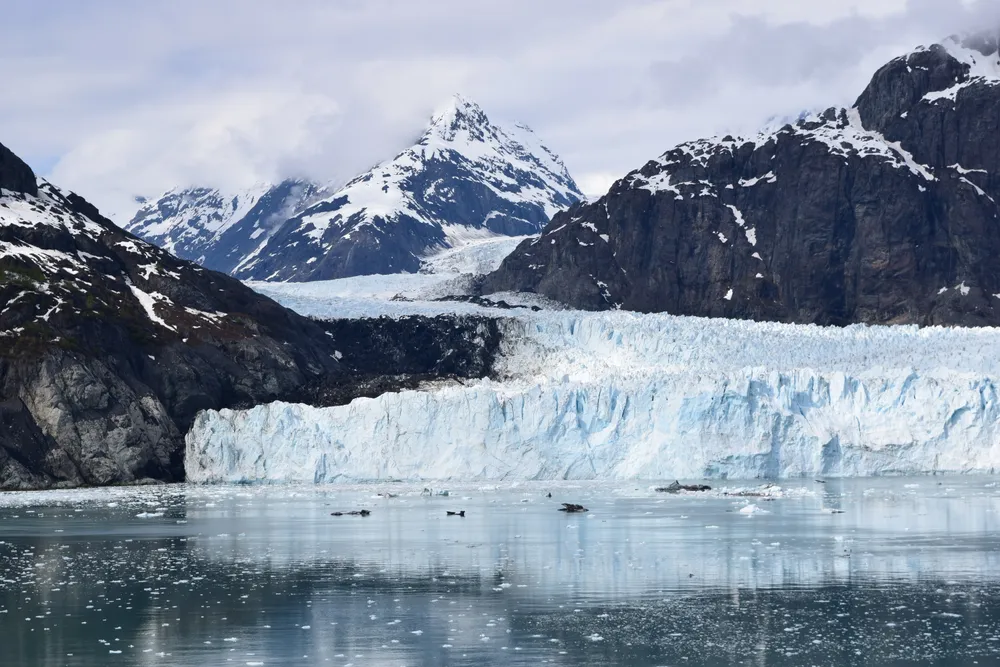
(907, 574)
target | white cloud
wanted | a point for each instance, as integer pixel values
(134, 98)
(224, 139)
(596, 183)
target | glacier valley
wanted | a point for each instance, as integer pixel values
(621, 396)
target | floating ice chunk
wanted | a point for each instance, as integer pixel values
(751, 510)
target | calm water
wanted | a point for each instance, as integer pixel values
(908, 574)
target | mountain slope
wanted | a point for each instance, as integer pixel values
(218, 230)
(884, 213)
(466, 178)
(110, 346)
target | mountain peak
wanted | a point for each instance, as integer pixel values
(466, 178)
(460, 115)
(217, 227)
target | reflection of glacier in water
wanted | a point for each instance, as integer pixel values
(626, 396)
(266, 575)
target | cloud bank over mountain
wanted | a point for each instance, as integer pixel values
(123, 99)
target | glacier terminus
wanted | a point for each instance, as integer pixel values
(618, 396)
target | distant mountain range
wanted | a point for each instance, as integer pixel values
(466, 178)
(885, 213)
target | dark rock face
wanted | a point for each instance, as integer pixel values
(109, 347)
(464, 176)
(885, 213)
(15, 175)
(390, 355)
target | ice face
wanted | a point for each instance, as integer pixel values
(745, 425)
(623, 396)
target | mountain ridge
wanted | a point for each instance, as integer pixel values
(217, 228)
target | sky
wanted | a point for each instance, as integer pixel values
(116, 98)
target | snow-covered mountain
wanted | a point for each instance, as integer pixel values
(467, 178)
(219, 229)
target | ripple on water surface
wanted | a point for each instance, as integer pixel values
(851, 572)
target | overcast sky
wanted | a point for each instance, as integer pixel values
(115, 98)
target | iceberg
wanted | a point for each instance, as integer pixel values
(618, 396)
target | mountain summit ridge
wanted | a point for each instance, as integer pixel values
(465, 178)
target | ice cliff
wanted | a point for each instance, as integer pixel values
(622, 396)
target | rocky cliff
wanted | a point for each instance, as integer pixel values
(883, 213)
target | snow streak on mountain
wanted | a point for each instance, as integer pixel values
(466, 179)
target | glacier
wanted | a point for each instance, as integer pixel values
(619, 396)
(447, 273)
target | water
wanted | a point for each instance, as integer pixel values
(908, 574)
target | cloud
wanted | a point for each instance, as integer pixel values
(116, 99)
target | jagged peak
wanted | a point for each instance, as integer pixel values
(460, 116)
(462, 126)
